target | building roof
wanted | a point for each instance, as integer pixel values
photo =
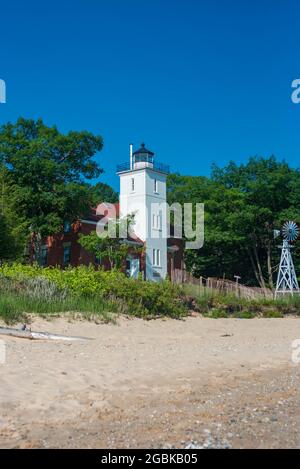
(143, 150)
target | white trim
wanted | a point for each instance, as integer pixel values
(131, 243)
(89, 222)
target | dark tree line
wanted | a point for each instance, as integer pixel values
(243, 206)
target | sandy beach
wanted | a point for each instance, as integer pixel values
(156, 384)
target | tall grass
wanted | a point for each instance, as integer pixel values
(31, 289)
(47, 292)
(23, 296)
(212, 303)
(15, 307)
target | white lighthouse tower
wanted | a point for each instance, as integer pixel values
(143, 194)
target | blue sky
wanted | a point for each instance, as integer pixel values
(198, 81)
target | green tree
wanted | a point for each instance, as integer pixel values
(110, 245)
(47, 170)
(271, 194)
(12, 227)
(222, 253)
(5, 240)
(243, 206)
(102, 192)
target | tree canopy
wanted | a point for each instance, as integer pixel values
(47, 172)
(110, 244)
(102, 192)
(244, 204)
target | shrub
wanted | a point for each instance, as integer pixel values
(42, 289)
(216, 314)
(53, 290)
(244, 315)
(272, 314)
(135, 297)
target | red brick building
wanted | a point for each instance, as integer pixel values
(65, 250)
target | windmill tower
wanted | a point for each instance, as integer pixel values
(287, 283)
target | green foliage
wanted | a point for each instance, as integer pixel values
(244, 315)
(243, 205)
(12, 227)
(102, 192)
(110, 248)
(272, 314)
(28, 289)
(134, 297)
(109, 245)
(6, 242)
(21, 295)
(269, 189)
(46, 171)
(216, 314)
(213, 304)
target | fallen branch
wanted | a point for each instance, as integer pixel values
(28, 334)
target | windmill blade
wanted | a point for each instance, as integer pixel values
(290, 231)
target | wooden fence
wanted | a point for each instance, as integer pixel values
(221, 285)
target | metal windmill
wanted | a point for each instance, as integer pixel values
(287, 282)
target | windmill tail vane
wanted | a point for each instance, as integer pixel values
(287, 282)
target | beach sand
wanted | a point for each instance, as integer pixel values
(153, 384)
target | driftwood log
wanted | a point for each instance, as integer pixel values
(28, 334)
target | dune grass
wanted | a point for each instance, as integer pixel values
(22, 296)
(31, 290)
(212, 303)
(15, 307)
(51, 291)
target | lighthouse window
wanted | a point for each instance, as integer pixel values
(132, 184)
(155, 186)
(156, 257)
(156, 221)
(159, 222)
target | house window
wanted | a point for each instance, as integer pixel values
(44, 256)
(132, 184)
(98, 260)
(67, 254)
(67, 227)
(155, 186)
